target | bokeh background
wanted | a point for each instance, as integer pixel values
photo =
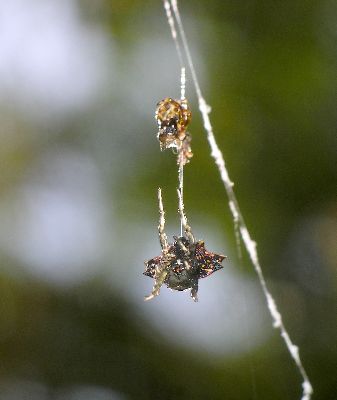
(80, 167)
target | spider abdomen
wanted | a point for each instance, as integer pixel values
(182, 280)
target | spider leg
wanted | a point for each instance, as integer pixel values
(161, 269)
(181, 245)
(160, 275)
(194, 291)
(162, 235)
(187, 265)
(187, 229)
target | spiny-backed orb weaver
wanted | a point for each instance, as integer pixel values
(183, 263)
(172, 117)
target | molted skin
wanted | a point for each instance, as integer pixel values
(173, 117)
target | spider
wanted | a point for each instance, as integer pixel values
(183, 263)
(172, 117)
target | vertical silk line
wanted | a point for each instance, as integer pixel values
(171, 23)
(182, 83)
(249, 244)
(181, 163)
(181, 187)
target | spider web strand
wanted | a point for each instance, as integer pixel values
(181, 163)
(249, 244)
(171, 23)
(174, 34)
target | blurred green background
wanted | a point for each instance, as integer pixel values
(80, 167)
